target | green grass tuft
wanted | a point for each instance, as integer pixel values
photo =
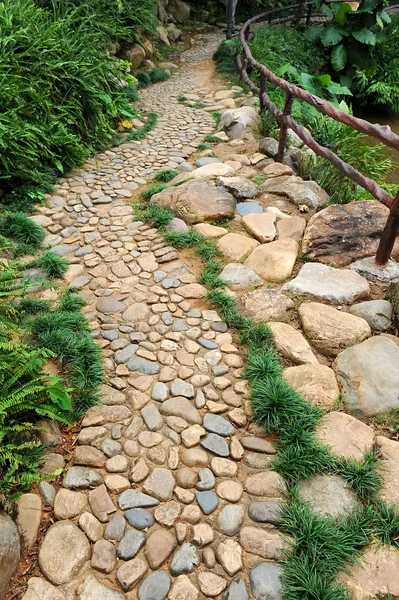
(202, 147)
(166, 175)
(154, 215)
(212, 139)
(22, 230)
(53, 265)
(152, 190)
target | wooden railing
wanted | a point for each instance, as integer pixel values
(285, 120)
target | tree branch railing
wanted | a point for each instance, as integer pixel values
(284, 118)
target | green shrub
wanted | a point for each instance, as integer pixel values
(53, 265)
(60, 92)
(146, 78)
(115, 20)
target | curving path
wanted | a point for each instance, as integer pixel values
(168, 492)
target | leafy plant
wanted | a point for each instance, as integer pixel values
(26, 395)
(165, 176)
(152, 190)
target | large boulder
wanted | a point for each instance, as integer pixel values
(321, 282)
(196, 201)
(239, 123)
(297, 190)
(274, 261)
(9, 551)
(241, 187)
(179, 10)
(135, 56)
(330, 330)
(369, 376)
(342, 233)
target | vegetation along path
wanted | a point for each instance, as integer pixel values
(172, 489)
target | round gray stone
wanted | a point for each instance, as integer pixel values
(216, 444)
(377, 313)
(265, 582)
(155, 587)
(230, 519)
(130, 544)
(236, 590)
(217, 424)
(81, 478)
(139, 518)
(185, 560)
(208, 502)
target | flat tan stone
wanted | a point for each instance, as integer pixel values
(261, 226)
(274, 261)
(210, 231)
(293, 228)
(345, 435)
(262, 542)
(389, 466)
(329, 330)
(376, 575)
(266, 483)
(236, 246)
(291, 344)
(277, 170)
(316, 383)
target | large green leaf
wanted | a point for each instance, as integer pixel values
(343, 10)
(313, 33)
(330, 36)
(324, 79)
(326, 10)
(365, 36)
(339, 90)
(339, 57)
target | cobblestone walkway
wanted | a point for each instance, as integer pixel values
(168, 493)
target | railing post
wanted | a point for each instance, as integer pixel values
(299, 13)
(309, 15)
(262, 90)
(284, 127)
(389, 234)
(230, 18)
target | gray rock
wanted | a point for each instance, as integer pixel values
(268, 146)
(179, 325)
(81, 478)
(63, 552)
(338, 286)
(368, 268)
(132, 499)
(143, 365)
(217, 424)
(265, 581)
(169, 283)
(160, 275)
(115, 530)
(111, 447)
(208, 344)
(9, 551)
(185, 560)
(329, 495)
(42, 590)
(83, 251)
(176, 226)
(216, 444)
(155, 587)
(167, 318)
(239, 122)
(236, 590)
(377, 313)
(160, 484)
(181, 407)
(63, 249)
(230, 519)
(206, 480)
(241, 187)
(240, 277)
(248, 208)
(152, 417)
(139, 518)
(182, 388)
(265, 512)
(160, 391)
(208, 502)
(206, 160)
(92, 589)
(110, 335)
(104, 556)
(130, 544)
(123, 356)
(47, 493)
(220, 370)
(368, 374)
(297, 190)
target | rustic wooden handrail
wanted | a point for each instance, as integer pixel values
(284, 118)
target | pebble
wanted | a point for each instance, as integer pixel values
(139, 518)
(208, 501)
(185, 560)
(130, 544)
(216, 444)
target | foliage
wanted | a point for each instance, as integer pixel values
(53, 265)
(352, 34)
(378, 83)
(113, 19)
(146, 78)
(21, 230)
(166, 175)
(139, 134)
(211, 139)
(56, 111)
(351, 146)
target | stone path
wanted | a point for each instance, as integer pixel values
(169, 491)
(168, 479)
